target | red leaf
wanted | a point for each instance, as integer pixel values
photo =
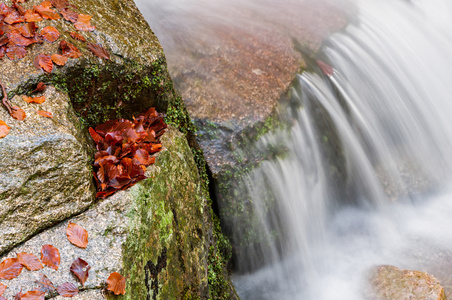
(80, 268)
(59, 60)
(15, 52)
(96, 137)
(44, 10)
(4, 130)
(41, 87)
(13, 17)
(143, 157)
(15, 38)
(83, 23)
(98, 50)
(116, 283)
(37, 100)
(10, 268)
(46, 284)
(32, 16)
(28, 29)
(69, 15)
(44, 113)
(77, 235)
(69, 50)
(44, 61)
(18, 113)
(67, 290)
(2, 288)
(30, 261)
(50, 256)
(33, 295)
(50, 34)
(77, 36)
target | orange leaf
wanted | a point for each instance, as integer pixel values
(50, 34)
(98, 50)
(18, 113)
(41, 87)
(80, 268)
(44, 10)
(44, 113)
(59, 60)
(143, 157)
(46, 284)
(77, 235)
(10, 268)
(13, 17)
(33, 295)
(38, 100)
(67, 290)
(50, 256)
(32, 16)
(69, 15)
(116, 283)
(15, 52)
(28, 29)
(30, 261)
(83, 23)
(77, 36)
(44, 61)
(15, 38)
(4, 130)
(2, 288)
(69, 50)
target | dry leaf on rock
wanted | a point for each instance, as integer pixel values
(15, 52)
(10, 268)
(44, 61)
(4, 129)
(41, 87)
(45, 283)
(67, 290)
(32, 16)
(2, 288)
(33, 295)
(50, 34)
(83, 23)
(77, 235)
(59, 60)
(44, 113)
(37, 100)
(44, 9)
(98, 50)
(77, 36)
(29, 261)
(116, 283)
(80, 268)
(18, 113)
(50, 256)
(69, 50)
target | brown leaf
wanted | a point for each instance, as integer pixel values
(38, 100)
(69, 15)
(69, 50)
(44, 113)
(50, 34)
(98, 50)
(50, 256)
(10, 268)
(15, 38)
(15, 52)
(83, 23)
(77, 235)
(44, 61)
(4, 130)
(13, 17)
(45, 283)
(2, 51)
(32, 16)
(2, 288)
(30, 261)
(28, 29)
(33, 295)
(143, 157)
(59, 60)
(41, 87)
(80, 268)
(77, 36)
(67, 290)
(18, 113)
(116, 283)
(44, 9)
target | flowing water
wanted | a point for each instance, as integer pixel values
(366, 178)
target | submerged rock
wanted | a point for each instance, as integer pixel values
(392, 283)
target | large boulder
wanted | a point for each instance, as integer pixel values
(392, 283)
(158, 234)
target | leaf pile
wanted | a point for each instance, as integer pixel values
(11, 268)
(124, 149)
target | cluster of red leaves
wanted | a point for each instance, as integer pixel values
(124, 149)
(10, 268)
(18, 30)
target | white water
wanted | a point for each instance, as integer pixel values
(393, 69)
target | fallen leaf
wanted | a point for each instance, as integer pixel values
(2, 288)
(67, 290)
(50, 33)
(2, 51)
(15, 52)
(41, 87)
(69, 50)
(98, 50)
(13, 17)
(32, 16)
(50, 256)
(18, 295)
(33, 295)
(83, 23)
(77, 36)
(10, 268)
(15, 38)
(143, 157)
(80, 268)
(29, 261)
(28, 29)
(59, 60)
(44, 9)
(4, 130)
(38, 100)
(77, 235)
(18, 113)
(116, 283)
(69, 15)
(44, 62)
(44, 113)
(45, 283)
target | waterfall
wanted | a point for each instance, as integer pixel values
(366, 176)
